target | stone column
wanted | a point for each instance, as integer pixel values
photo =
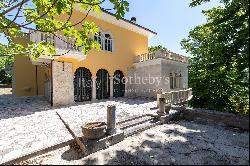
(62, 84)
(111, 119)
(159, 95)
(162, 103)
(181, 82)
(175, 97)
(111, 87)
(93, 88)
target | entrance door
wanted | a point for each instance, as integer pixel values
(82, 85)
(119, 86)
(102, 84)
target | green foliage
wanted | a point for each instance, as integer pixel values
(41, 15)
(5, 78)
(219, 66)
(157, 48)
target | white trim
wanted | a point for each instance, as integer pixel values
(160, 61)
(103, 38)
(148, 63)
(121, 23)
(113, 40)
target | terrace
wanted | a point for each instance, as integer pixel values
(161, 54)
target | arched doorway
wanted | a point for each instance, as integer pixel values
(102, 84)
(119, 86)
(82, 85)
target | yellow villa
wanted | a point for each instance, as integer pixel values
(74, 77)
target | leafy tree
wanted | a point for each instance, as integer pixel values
(5, 78)
(19, 18)
(219, 65)
(157, 48)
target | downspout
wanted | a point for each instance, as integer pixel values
(36, 83)
(51, 84)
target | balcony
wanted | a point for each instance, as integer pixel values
(64, 46)
(161, 54)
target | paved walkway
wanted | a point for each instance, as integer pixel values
(30, 123)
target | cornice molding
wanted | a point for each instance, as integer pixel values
(123, 23)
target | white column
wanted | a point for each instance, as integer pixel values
(185, 78)
(181, 82)
(93, 88)
(111, 87)
(178, 82)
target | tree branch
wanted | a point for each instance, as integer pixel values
(12, 8)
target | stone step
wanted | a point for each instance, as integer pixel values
(141, 127)
(137, 124)
(134, 118)
(134, 122)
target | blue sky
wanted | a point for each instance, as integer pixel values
(171, 19)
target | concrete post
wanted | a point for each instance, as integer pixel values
(111, 87)
(167, 108)
(180, 96)
(162, 103)
(93, 88)
(175, 97)
(159, 95)
(111, 119)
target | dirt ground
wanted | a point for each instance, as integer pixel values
(170, 144)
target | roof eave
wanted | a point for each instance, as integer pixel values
(111, 18)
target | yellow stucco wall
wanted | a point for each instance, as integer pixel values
(26, 82)
(127, 45)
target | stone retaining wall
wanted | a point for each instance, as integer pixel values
(228, 119)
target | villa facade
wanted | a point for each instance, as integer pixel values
(109, 73)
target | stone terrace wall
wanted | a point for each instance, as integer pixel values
(145, 79)
(63, 88)
(211, 116)
(150, 76)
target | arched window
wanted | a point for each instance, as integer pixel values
(98, 38)
(108, 42)
(105, 40)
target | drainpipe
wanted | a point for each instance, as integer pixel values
(51, 84)
(36, 82)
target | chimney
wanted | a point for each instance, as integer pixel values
(133, 20)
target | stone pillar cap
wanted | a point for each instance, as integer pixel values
(111, 105)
